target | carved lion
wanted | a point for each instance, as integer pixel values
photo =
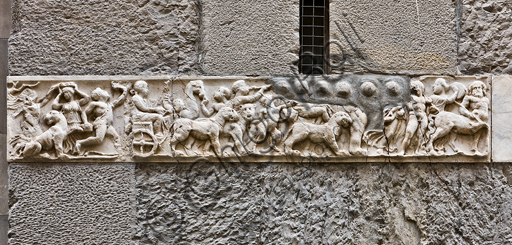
(50, 139)
(206, 129)
(324, 133)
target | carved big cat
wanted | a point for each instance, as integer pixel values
(284, 119)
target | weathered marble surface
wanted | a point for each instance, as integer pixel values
(501, 115)
(283, 119)
(269, 203)
(112, 37)
(71, 203)
(315, 203)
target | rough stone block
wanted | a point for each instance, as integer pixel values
(319, 203)
(3, 92)
(246, 37)
(501, 114)
(71, 203)
(4, 227)
(198, 203)
(5, 18)
(103, 37)
(485, 36)
(4, 178)
(405, 37)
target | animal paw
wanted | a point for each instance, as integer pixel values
(359, 152)
(64, 157)
(179, 153)
(343, 153)
(79, 148)
(228, 154)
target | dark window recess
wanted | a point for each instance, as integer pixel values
(314, 34)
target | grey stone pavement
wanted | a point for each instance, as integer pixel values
(5, 28)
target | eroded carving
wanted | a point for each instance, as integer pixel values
(324, 133)
(180, 118)
(100, 110)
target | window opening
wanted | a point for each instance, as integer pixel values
(314, 34)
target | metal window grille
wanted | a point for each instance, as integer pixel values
(314, 34)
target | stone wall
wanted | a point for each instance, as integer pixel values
(104, 37)
(315, 203)
(484, 38)
(306, 202)
(404, 37)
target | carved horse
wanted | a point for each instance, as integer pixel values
(193, 88)
(448, 122)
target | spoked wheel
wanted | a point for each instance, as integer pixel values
(144, 143)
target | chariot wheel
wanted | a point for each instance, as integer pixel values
(144, 143)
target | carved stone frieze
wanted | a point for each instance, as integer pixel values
(347, 118)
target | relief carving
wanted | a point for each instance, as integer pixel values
(180, 119)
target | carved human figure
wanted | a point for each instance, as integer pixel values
(177, 107)
(241, 92)
(395, 124)
(391, 138)
(222, 96)
(357, 128)
(276, 112)
(242, 95)
(101, 112)
(418, 121)
(440, 98)
(25, 104)
(307, 110)
(471, 121)
(255, 127)
(477, 105)
(143, 111)
(324, 133)
(52, 138)
(70, 101)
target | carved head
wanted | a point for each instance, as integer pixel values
(478, 89)
(99, 94)
(141, 87)
(53, 117)
(196, 87)
(221, 93)
(67, 93)
(228, 114)
(417, 88)
(179, 105)
(248, 111)
(240, 86)
(439, 86)
(342, 118)
(28, 96)
(391, 114)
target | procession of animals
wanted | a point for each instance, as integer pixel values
(241, 120)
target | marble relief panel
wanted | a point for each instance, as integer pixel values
(281, 119)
